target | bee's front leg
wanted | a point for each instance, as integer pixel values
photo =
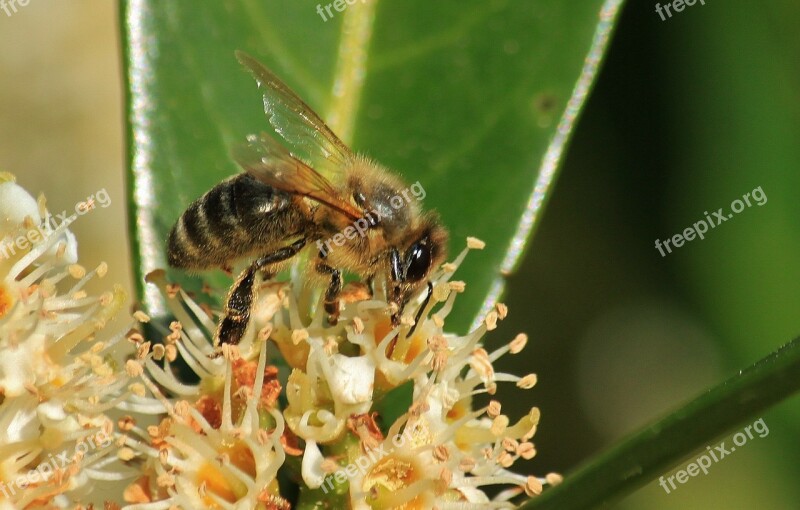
(421, 309)
(334, 289)
(396, 276)
(243, 293)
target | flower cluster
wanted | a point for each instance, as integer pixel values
(226, 436)
(361, 414)
(56, 380)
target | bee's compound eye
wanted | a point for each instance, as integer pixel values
(418, 261)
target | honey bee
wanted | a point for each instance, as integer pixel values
(290, 198)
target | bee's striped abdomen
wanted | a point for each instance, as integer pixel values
(233, 219)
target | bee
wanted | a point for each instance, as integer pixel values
(290, 198)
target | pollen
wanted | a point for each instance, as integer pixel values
(6, 300)
(494, 409)
(491, 321)
(533, 487)
(502, 310)
(211, 479)
(458, 286)
(527, 382)
(390, 476)
(527, 451)
(141, 316)
(473, 243)
(518, 343)
(554, 478)
(499, 425)
(441, 292)
(77, 271)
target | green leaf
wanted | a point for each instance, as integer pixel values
(653, 450)
(475, 99)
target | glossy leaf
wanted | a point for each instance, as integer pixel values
(656, 448)
(475, 100)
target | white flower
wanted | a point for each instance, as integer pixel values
(447, 452)
(56, 380)
(221, 443)
(26, 225)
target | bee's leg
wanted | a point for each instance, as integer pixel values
(396, 274)
(421, 309)
(243, 293)
(332, 294)
(371, 285)
(237, 308)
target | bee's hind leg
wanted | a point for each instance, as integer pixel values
(237, 308)
(333, 291)
(243, 293)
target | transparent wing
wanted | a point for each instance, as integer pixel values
(269, 162)
(306, 135)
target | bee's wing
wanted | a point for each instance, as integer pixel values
(269, 162)
(306, 135)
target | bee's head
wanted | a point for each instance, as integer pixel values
(411, 264)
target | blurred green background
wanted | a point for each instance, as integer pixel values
(688, 115)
